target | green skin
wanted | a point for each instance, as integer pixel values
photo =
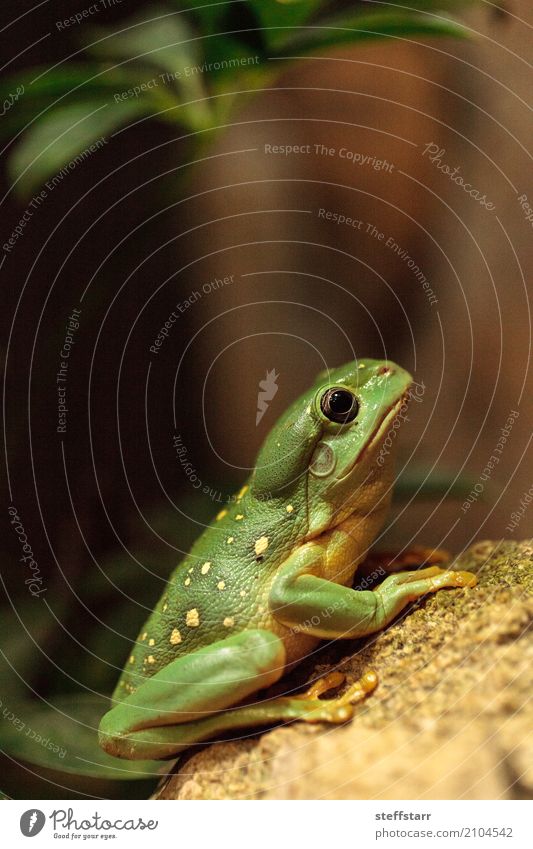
(270, 577)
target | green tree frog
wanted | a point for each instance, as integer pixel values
(272, 575)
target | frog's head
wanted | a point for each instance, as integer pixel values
(334, 446)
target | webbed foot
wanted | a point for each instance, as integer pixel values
(338, 709)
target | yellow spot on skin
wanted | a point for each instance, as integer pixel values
(205, 568)
(308, 409)
(221, 515)
(230, 540)
(151, 642)
(187, 581)
(191, 569)
(242, 593)
(151, 658)
(241, 492)
(238, 517)
(229, 622)
(144, 636)
(165, 607)
(132, 659)
(175, 637)
(193, 618)
(261, 546)
(221, 585)
(361, 365)
(289, 508)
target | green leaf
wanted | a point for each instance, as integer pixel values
(50, 83)
(277, 19)
(52, 88)
(347, 29)
(228, 51)
(284, 13)
(63, 737)
(166, 53)
(65, 137)
(49, 86)
(207, 15)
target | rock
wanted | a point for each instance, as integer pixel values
(449, 720)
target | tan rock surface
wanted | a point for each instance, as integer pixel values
(451, 718)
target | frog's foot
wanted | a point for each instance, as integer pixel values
(431, 579)
(360, 689)
(336, 710)
(417, 555)
(331, 681)
(398, 590)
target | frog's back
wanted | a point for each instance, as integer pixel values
(220, 588)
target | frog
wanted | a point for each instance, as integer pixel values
(272, 577)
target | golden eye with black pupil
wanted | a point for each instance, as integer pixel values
(339, 405)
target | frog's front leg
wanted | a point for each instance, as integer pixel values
(186, 701)
(301, 599)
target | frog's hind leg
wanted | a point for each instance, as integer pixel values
(187, 700)
(168, 741)
(307, 707)
(193, 699)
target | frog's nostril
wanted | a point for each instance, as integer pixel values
(385, 370)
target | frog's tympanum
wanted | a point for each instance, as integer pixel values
(272, 575)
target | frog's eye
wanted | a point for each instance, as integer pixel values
(339, 405)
